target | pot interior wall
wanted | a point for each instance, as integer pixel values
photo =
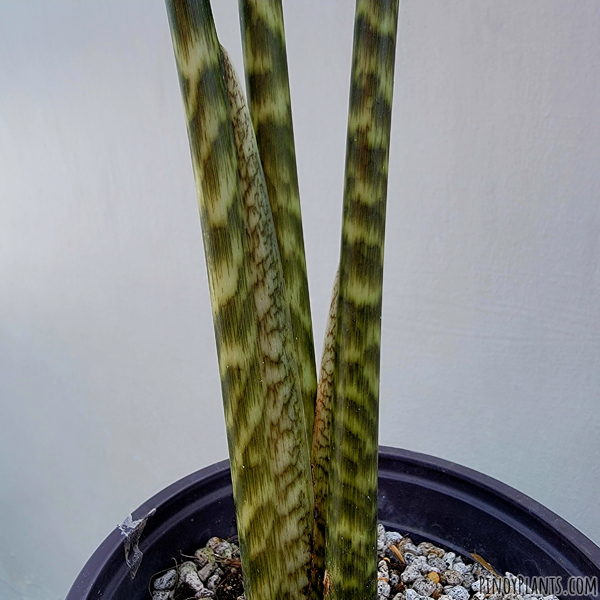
(425, 497)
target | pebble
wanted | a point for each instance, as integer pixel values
(383, 588)
(411, 573)
(187, 567)
(207, 570)
(424, 586)
(426, 548)
(393, 537)
(166, 581)
(380, 538)
(449, 558)
(409, 558)
(409, 547)
(458, 592)
(421, 563)
(437, 563)
(188, 575)
(223, 550)
(451, 577)
(162, 595)
(204, 556)
(214, 579)
(213, 542)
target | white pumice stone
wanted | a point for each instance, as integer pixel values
(383, 589)
(204, 556)
(213, 542)
(425, 548)
(458, 592)
(424, 586)
(213, 581)
(436, 562)
(451, 577)
(192, 579)
(166, 581)
(449, 558)
(187, 567)
(223, 550)
(207, 570)
(393, 537)
(411, 573)
(421, 563)
(380, 538)
(411, 594)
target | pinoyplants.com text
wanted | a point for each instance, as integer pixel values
(542, 586)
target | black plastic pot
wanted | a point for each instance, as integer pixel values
(429, 498)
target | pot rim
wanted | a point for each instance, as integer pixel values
(419, 466)
(486, 486)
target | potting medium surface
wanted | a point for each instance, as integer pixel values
(406, 571)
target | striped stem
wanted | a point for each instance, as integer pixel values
(284, 411)
(322, 444)
(212, 146)
(265, 60)
(351, 552)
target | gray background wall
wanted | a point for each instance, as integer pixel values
(108, 377)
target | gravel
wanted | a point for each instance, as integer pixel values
(424, 572)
